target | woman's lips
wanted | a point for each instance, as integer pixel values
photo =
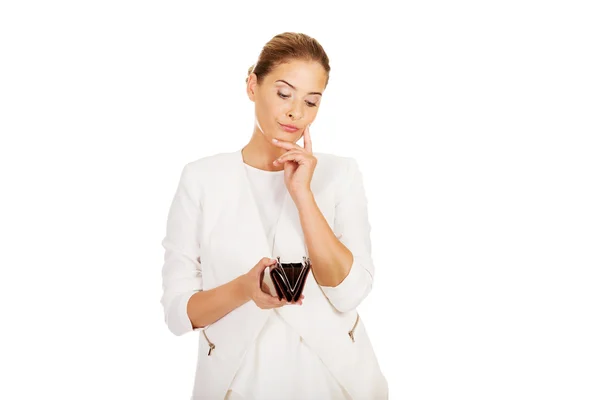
(288, 128)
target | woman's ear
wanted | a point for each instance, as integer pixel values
(251, 86)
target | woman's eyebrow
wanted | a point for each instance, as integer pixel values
(292, 86)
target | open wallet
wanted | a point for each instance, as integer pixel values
(287, 280)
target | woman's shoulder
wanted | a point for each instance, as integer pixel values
(208, 170)
(212, 161)
(335, 163)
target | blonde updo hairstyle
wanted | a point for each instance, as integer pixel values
(286, 47)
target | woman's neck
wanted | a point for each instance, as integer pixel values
(259, 153)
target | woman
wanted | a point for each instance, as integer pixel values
(234, 213)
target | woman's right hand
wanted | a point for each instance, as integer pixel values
(253, 285)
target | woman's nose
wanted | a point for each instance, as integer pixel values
(294, 114)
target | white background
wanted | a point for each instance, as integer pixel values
(475, 125)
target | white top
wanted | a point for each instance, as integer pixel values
(279, 365)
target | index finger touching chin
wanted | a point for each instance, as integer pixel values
(307, 139)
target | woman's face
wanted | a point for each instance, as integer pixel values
(290, 95)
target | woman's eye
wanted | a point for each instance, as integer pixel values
(285, 96)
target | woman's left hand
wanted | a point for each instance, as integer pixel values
(299, 165)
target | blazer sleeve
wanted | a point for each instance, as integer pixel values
(181, 272)
(352, 228)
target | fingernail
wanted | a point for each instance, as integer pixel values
(274, 140)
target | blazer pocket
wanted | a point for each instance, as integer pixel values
(225, 338)
(211, 345)
(352, 331)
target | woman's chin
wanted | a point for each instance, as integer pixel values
(281, 134)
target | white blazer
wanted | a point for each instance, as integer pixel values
(214, 234)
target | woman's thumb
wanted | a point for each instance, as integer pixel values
(265, 262)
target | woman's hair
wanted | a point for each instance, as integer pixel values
(286, 47)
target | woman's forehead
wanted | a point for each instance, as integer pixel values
(300, 75)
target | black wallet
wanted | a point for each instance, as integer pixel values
(289, 278)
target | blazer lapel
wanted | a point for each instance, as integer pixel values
(250, 215)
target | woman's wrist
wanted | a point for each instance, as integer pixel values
(242, 288)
